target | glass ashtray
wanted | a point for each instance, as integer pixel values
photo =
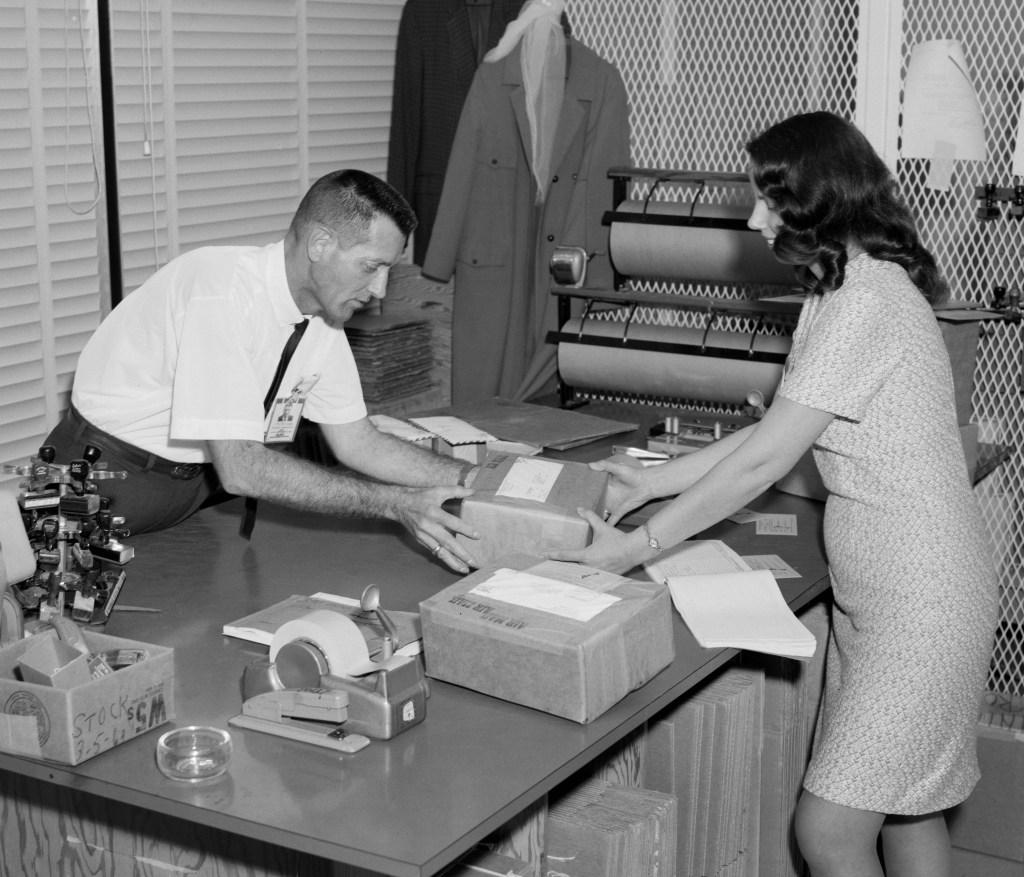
(194, 753)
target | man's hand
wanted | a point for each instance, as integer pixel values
(420, 511)
(249, 468)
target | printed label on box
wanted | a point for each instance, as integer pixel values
(530, 478)
(546, 595)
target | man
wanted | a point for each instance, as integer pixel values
(172, 385)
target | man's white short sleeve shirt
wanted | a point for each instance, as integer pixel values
(190, 355)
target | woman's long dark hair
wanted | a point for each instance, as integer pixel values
(829, 186)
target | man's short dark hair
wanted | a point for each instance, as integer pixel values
(347, 202)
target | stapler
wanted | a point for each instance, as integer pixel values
(312, 715)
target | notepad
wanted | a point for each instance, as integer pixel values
(259, 627)
(740, 610)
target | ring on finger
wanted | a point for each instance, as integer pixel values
(437, 549)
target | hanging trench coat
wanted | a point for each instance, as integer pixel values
(494, 239)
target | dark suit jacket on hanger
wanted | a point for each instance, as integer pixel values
(435, 62)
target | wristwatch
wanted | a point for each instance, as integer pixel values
(654, 543)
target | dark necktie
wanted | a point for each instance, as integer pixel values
(249, 515)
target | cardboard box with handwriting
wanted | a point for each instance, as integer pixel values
(563, 638)
(70, 725)
(528, 504)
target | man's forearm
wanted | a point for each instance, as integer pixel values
(362, 447)
(249, 468)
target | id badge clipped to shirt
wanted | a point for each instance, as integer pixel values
(286, 412)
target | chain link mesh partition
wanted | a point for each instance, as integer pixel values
(703, 75)
(978, 256)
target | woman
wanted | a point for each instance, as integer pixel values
(868, 385)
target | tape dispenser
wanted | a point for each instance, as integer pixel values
(325, 651)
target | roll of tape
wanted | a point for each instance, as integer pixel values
(569, 266)
(336, 635)
(17, 559)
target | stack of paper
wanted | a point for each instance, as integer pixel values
(393, 354)
(606, 830)
(707, 752)
(537, 425)
(740, 610)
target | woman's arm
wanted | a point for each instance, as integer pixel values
(630, 487)
(726, 480)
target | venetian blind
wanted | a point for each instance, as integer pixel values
(50, 268)
(227, 111)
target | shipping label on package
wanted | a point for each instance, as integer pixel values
(547, 595)
(530, 478)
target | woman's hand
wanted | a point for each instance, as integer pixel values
(611, 549)
(628, 489)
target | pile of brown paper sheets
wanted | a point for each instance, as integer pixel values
(606, 830)
(393, 353)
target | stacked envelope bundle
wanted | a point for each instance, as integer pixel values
(707, 752)
(602, 829)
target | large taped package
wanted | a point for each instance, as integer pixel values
(559, 637)
(529, 504)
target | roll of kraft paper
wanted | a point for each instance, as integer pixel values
(334, 634)
(710, 255)
(17, 560)
(706, 377)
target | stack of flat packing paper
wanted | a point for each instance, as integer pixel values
(606, 830)
(707, 752)
(741, 610)
(393, 353)
(540, 426)
(726, 604)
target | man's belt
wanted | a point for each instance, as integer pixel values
(187, 471)
(136, 456)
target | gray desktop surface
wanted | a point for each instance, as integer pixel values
(407, 806)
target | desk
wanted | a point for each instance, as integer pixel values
(404, 807)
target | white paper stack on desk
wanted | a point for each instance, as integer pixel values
(725, 604)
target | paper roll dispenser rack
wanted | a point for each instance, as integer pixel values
(675, 222)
